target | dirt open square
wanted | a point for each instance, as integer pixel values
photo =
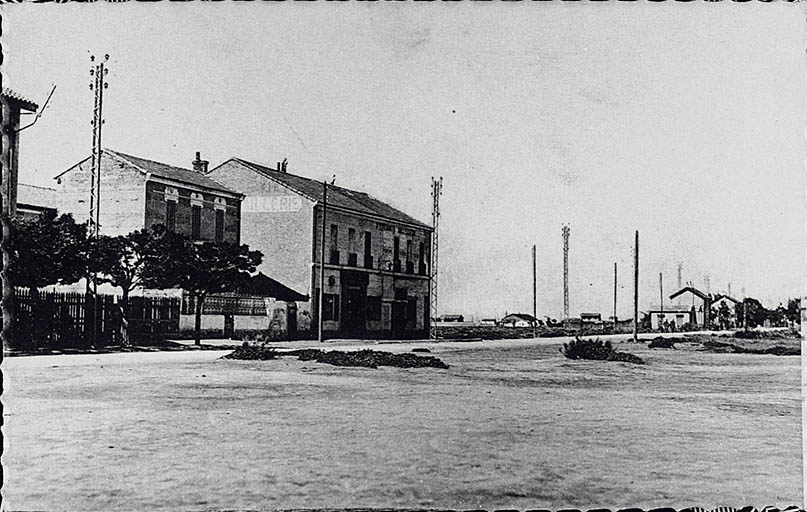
(511, 424)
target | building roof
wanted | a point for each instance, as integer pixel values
(35, 195)
(264, 286)
(725, 296)
(165, 171)
(670, 308)
(520, 316)
(693, 291)
(339, 197)
(590, 315)
(22, 101)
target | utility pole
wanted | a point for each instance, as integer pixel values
(636, 289)
(661, 293)
(534, 294)
(565, 233)
(98, 72)
(320, 301)
(614, 297)
(437, 191)
(680, 268)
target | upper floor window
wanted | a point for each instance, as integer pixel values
(219, 226)
(170, 214)
(196, 222)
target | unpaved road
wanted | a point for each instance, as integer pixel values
(509, 425)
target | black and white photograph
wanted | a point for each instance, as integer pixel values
(490, 256)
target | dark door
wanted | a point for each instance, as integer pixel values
(398, 317)
(353, 309)
(229, 326)
(291, 319)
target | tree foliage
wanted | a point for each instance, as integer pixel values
(48, 250)
(175, 261)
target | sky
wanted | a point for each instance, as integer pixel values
(685, 122)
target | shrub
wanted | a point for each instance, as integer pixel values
(597, 350)
(253, 352)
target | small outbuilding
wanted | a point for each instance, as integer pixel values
(519, 320)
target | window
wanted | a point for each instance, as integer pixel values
(421, 260)
(219, 226)
(352, 257)
(334, 236)
(334, 259)
(330, 307)
(170, 215)
(410, 265)
(411, 310)
(196, 223)
(368, 255)
(396, 257)
(400, 293)
(373, 308)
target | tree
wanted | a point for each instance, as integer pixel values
(52, 250)
(174, 261)
(755, 312)
(793, 311)
(119, 261)
(47, 250)
(723, 315)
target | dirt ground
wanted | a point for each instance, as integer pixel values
(511, 424)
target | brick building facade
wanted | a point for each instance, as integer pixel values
(377, 257)
(137, 193)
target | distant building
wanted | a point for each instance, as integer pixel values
(519, 320)
(451, 318)
(488, 321)
(695, 302)
(724, 311)
(137, 193)
(678, 314)
(590, 318)
(376, 260)
(34, 201)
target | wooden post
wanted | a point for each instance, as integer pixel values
(534, 295)
(636, 289)
(320, 302)
(615, 323)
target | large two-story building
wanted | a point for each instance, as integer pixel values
(137, 193)
(376, 260)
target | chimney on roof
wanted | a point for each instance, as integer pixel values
(200, 165)
(283, 165)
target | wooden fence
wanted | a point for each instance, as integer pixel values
(64, 318)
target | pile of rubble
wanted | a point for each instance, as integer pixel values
(362, 358)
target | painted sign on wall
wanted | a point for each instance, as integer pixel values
(272, 204)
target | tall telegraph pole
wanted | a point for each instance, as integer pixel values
(636, 289)
(98, 72)
(534, 292)
(437, 191)
(615, 297)
(565, 233)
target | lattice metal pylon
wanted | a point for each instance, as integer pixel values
(437, 191)
(565, 233)
(98, 72)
